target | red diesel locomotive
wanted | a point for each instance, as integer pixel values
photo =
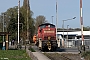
(46, 38)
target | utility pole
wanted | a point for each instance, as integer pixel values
(18, 19)
(67, 37)
(3, 25)
(3, 36)
(56, 17)
(27, 22)
(21, 24)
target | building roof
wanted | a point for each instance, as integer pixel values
(75, 33)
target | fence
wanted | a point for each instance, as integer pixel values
(76, 42)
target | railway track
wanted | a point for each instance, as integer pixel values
(59, 55)
(62, 56)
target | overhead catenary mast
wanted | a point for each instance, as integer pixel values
(81, 20)
(56, 18)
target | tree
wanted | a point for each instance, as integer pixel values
(39, 20)
(77, 29)
(11, 19)
(28, 15)
(1, 23)
(86, 28)
(9, 14)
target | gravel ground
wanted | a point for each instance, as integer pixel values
(56, 56)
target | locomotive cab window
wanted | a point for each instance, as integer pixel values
(52, 26)
(46, 25)
(43, 26)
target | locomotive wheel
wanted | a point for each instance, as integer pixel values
(44, 48)
(53, 48)
(37, 43)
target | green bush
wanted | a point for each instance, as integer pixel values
(86, 55)
(32, 50)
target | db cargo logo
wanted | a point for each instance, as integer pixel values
(48, 31)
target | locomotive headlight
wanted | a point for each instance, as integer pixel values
(49, 38)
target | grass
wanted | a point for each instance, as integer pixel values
(32, 50)
(14, 55)
(86, 55)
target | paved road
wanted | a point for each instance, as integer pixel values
(74, 49)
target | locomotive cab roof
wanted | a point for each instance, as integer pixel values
(46, 24)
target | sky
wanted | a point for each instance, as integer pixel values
(67, 9)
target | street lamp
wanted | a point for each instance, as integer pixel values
(63, 29)
(52, 19)
(67, 36)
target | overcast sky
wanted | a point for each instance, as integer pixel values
(67, 9)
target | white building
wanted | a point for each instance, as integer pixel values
(75, 34)
(74, 37)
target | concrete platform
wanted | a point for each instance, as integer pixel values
(40, 56)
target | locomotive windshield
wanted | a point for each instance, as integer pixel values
(47, 25)
(52, 26)
(43, 26)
